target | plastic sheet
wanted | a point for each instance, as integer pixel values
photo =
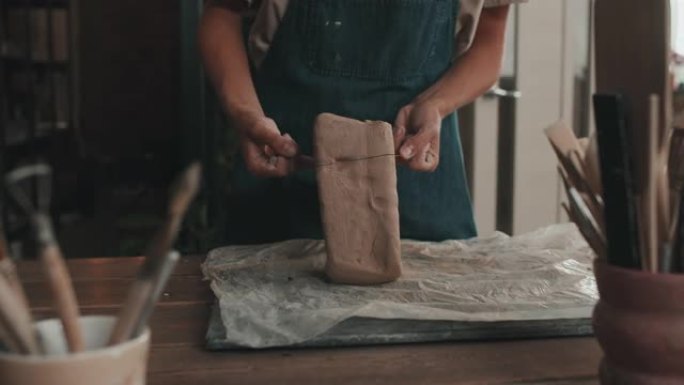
(276, 295)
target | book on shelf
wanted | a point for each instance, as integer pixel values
(31, 27)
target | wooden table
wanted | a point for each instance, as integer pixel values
(180, 320)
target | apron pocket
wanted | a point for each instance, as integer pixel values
(373, 39)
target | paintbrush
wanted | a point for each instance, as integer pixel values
(589, 196)
(572, 158)
(157, 258)
(16, 326)
(588, 200)
(50, 254)
(579, 213)
(161, 276)
(592, 241)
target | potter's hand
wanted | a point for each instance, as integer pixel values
(416, 136)
(267, 153)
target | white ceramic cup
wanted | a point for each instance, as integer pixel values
(123, 364)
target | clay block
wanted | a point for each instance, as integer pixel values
(357, 184)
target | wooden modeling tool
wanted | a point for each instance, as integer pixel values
(571, 156)
(50, 254)
(622, 226)
(584, 206)
(159, 261)
(563, 139)
(649, 198)
(579, 213)
(565, 143)
(592, 167)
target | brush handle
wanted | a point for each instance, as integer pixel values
(143, 287)
(126, 322)
(159, 262)
(16, 326)
(594, 241)
(158, 284)
(142, 290)
(64, 295)
(142, 297)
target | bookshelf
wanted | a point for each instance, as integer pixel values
(37, 106)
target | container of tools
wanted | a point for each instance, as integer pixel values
(97, 363)
(74, 349)
(639, 323)
(630, 210)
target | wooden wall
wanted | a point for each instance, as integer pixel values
(129, 71)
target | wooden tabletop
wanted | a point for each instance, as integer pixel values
(180, 320)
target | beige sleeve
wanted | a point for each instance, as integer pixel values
(498, 3)
(266, 22)
(466, 25)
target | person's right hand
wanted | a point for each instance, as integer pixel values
(267, 153)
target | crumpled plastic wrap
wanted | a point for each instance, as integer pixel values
(276, 295)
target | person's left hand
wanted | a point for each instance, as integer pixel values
(416, 135)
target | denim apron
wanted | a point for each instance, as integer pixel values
(363, 59)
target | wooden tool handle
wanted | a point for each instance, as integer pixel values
(649, 203)
(9, 271)
(15, 324)
(64, 296)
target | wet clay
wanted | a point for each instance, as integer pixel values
(357, 184)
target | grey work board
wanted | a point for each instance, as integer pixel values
(367, 331)
(533, 285)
